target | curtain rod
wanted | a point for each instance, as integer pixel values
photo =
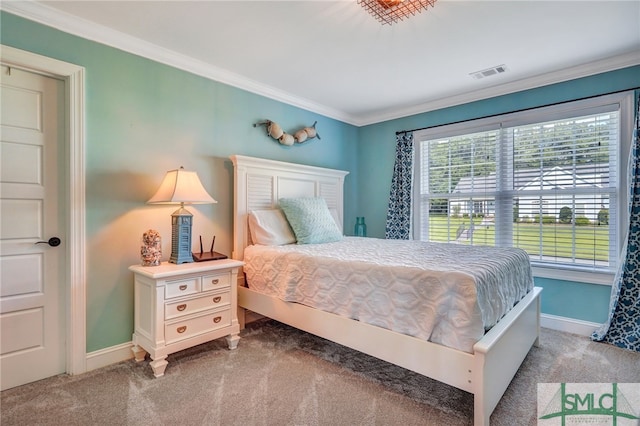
(516, 111)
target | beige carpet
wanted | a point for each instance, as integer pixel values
(281, 376)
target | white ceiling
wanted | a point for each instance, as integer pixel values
(333, 58)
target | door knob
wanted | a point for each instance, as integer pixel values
(53, 242)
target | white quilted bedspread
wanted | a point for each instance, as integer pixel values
(446, 293)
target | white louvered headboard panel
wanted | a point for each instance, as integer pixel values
(259, 184)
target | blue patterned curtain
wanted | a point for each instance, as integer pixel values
(399, 213)
(623, 326)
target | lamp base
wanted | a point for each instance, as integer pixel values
(210, 255)
(181, 236)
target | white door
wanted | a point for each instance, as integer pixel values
(32, 299)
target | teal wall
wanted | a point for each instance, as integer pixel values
(588, 302)
(144, 118)
(376, 153)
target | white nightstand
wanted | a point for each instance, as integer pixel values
(179, 306)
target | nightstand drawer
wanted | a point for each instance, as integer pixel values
(212, 282)
(182, 287)
(184, 329)
(185, 307)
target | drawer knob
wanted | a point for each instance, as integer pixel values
(181, 329)
(217, 319)
(182, 307)
(183, 287)
(217, 299)
(215, 281)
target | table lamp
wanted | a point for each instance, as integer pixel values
(181, 187)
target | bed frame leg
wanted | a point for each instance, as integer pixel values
(242, 317)
(480, 416)
(536, 342)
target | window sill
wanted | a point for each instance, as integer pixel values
(574, 275)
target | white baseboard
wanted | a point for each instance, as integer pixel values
(568, 325)
(108, 356)
(122, 352)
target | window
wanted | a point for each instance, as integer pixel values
(551, 181)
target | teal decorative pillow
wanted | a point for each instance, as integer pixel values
(310, 220)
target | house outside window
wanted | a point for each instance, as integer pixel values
(552, 181)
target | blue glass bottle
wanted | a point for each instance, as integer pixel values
(361, 228)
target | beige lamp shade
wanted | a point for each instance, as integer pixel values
(181, 187)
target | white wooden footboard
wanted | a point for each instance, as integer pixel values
(499, 354)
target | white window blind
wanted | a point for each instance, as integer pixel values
(460, 184)
(547, 181)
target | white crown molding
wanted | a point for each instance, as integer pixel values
(68, 23)
(62, 21)
(572, 73)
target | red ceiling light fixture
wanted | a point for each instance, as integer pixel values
(391, 11)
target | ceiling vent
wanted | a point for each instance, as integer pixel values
(499, 69)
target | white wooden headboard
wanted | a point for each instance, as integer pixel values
(259, 184)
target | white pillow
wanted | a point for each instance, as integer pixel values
(270, 228)
(334, 215)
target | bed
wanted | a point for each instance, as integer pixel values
(484, 366)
